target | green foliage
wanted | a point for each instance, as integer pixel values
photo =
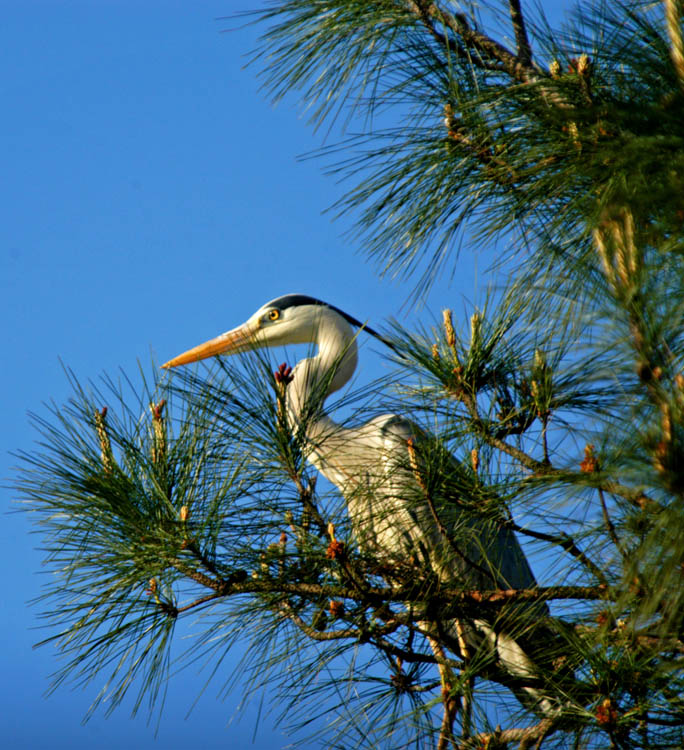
(470, 135)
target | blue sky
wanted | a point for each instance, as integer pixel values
(152, 198)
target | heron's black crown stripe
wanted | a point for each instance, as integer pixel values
(294, 300)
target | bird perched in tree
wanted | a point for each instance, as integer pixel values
(388, 485)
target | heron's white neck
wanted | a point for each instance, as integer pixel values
(315, 378)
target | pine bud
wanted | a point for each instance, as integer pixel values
(534, 389)
(283, 375)
(606, 713)
(475, 459)
(413, 462)
(666, 423)
(152, 587)
(583, 65)
(448, 116)
(184, 512)
(604, 256)
(158, 449)
(335, 550)
(475, 327)
(555, 69)
(103, 437)
(449, 328)
(157, 409)
(660, 456)
(590, 463)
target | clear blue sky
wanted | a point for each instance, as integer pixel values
(152, 198)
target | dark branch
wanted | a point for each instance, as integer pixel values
(525, 736)
(518, 67)
(544, 469)
(564, 541)
(522, 42)
(376, 596)
(610, 526)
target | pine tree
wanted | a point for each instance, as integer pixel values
(556, 412)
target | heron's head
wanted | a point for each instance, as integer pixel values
(291, 319)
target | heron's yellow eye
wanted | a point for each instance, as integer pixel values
(273, 314)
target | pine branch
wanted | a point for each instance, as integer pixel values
(430, 13)
(316, 635)
(217, 585)
(525, 736)
(377, 596)
(540, 593)
(610, 526)
(199, 602)
(523, 43)
(413, 657)
(543, 469)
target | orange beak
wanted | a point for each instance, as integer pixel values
(231, 342)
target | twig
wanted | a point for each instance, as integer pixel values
(545, 443)
(446, 732)
(482, 427)
(306, 497)
(317, 635)
(524, 50)
(483, 154)
(542, 469)
(564, 541)
(610, 528)
(236, 584)
(525, 736)
(198, 602)
(542, 593)
(197, 576)
(518, 68)
(191, 546)
(411, 656)
(467, 695)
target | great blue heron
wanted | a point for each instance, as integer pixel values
(372, 467)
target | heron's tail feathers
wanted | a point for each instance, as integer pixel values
(530, 665)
